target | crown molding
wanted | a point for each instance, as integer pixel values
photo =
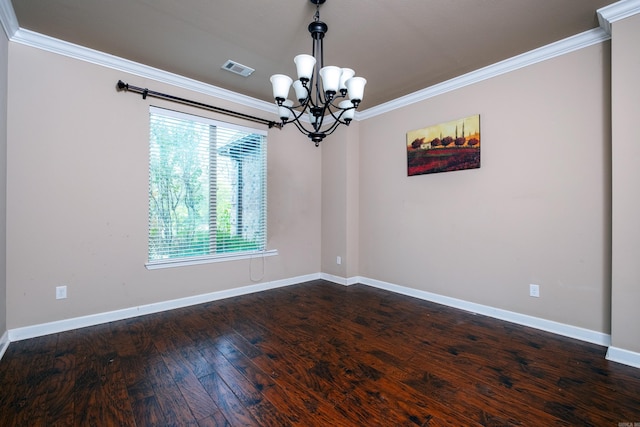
(614, 12)
(549, 51)
(606, 16)
(8, 18)
(50, 44)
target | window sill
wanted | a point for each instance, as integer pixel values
(170, 263)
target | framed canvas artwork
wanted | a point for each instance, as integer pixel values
(445, 147)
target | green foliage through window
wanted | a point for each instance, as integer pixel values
(207, 187)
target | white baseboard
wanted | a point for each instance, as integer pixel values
(510, 316)
(4, 343)
(614, 354)
(33, 331)
(335, 279)
(623, 356)
(340, 280)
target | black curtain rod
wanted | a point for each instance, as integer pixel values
(146, 92)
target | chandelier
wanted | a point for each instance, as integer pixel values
(320, 91)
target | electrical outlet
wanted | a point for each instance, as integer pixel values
(534, 291)
(339, 260)
(61, 292)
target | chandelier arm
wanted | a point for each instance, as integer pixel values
(295, 115)
(320, 98)
(296, 118)
(339, 116)
(333, 127)
(338, 108)
(298, 114)
(308, 103)
(301, 128)
(338, 96)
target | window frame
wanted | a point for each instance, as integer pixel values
(217, 257)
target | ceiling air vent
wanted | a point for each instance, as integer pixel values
(236, 68)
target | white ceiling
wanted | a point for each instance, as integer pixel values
(399, 46)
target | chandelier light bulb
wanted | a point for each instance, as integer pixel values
(355, 87)
(281, 85)
(349, 112)
(301, 91)
(283, 111)
(347, 73)
(304, 66)
(331, 78)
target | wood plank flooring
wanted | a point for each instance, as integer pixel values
(314, 354)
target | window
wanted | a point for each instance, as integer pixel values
(207, 189)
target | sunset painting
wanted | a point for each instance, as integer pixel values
(450, 146)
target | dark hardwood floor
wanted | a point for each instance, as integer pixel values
(315, 354)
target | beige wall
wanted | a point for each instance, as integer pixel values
(77, 196)
(334, 202)
(4, 54)
(625, 60)
(340, 202)
(537, 211)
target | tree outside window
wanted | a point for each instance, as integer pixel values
(207, 188)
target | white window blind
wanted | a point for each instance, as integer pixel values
(207, 188)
